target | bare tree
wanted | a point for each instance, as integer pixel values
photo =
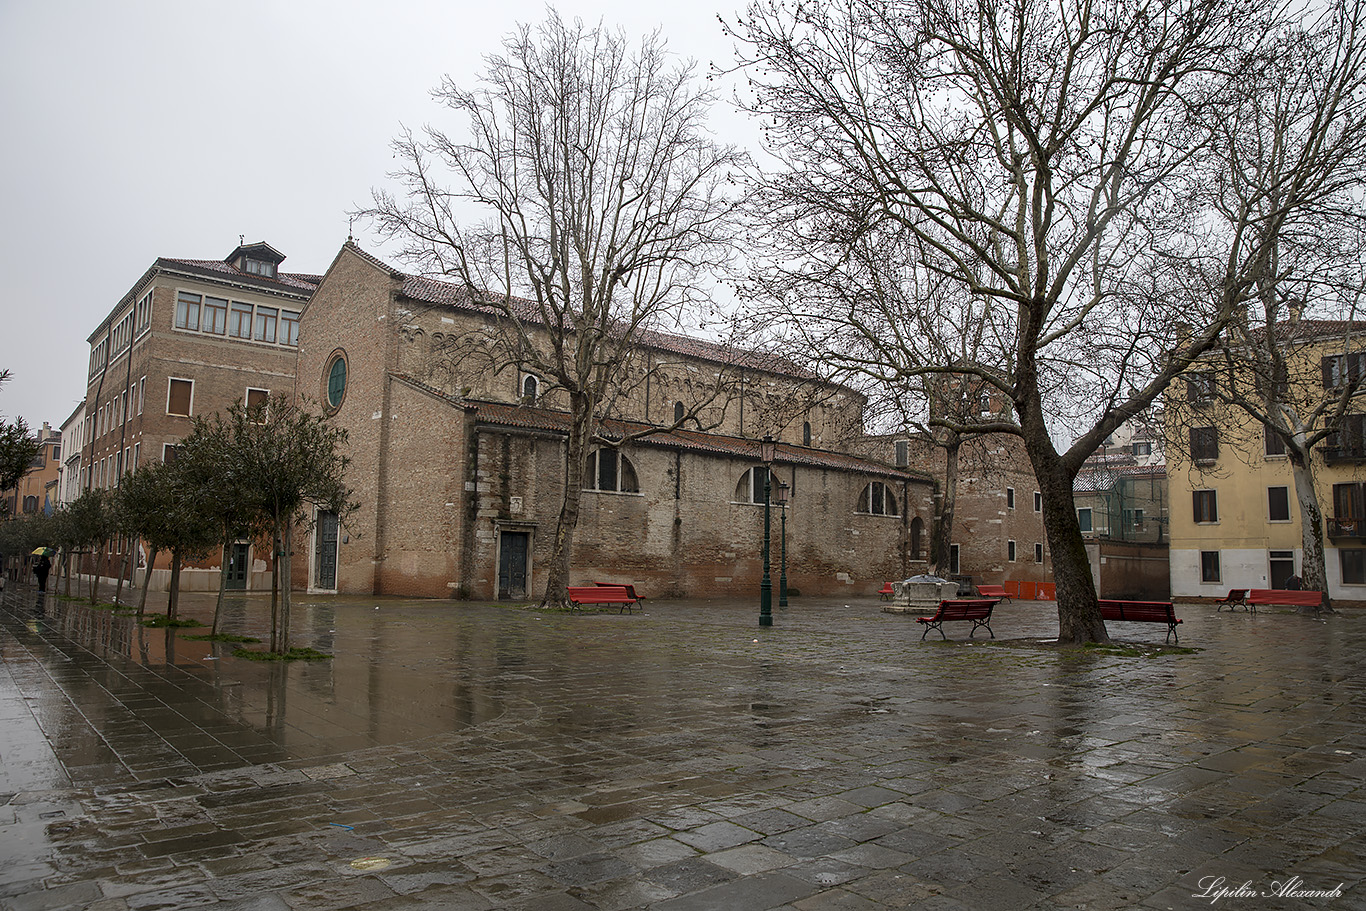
(1041, 158)
(1304, 102)
(606, 214)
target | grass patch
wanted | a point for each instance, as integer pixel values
(294, 654)
(222, 637)
(1110, 649)
(161, 621)
(1137, 649)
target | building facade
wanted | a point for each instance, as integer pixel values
(36, 491)
(73, 444)
(190, 338)
(459, 463)
(1236, 521)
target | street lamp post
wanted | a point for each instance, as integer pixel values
(783, 491)
(767, 450)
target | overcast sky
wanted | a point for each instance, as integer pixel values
(149, 128)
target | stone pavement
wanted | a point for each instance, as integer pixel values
(457, 756)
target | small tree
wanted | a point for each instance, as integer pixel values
(225, 493)
(160, 503)
(92, 522)
(285, 461)
(18, 447)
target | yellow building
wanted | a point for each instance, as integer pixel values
(1236, 521)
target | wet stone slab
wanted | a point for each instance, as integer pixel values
(458, 756)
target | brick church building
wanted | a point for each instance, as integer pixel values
(460, 471)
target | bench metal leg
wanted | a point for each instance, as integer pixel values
(930, 626)
(1171, 632)
(980, 624)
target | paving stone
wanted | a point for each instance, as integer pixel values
(67, 896)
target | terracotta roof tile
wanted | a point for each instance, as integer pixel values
(434, 291)
(697, 441)
(548, 421)
(289, 281)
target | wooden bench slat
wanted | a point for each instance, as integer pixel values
(1298, 598)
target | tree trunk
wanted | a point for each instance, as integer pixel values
(123, 567)
(275, 591)
(940, 546)
(1313, 560)
(66, 571)
(580, 436)
(146, 580)
(283, 562)
(222, 585)
(95, 580)
(1079, 619)
(173, 599)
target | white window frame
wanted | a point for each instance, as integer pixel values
(182, 379)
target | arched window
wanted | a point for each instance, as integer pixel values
(679, 411)
(806, 433)
(530, 389)
(608, 469)
(334, 380)
(30, 505)
(751, 487)
(878, 499)
(917, 532)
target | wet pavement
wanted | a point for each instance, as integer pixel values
(457, 756)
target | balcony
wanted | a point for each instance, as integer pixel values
(1340, 455)
(1354, 529)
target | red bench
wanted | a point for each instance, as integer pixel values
(1236, 597)
(978, 610)
(886, 591)
(1141, 612)
(1284, 596)
(993, 591)
(602, 594)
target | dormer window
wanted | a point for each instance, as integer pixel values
(259, 267)
(257, 259)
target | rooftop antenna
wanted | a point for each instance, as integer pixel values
(241, 239)
(350, 225)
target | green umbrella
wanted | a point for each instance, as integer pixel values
(44, 551)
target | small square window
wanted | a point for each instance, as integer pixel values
(1274, 445)
(1278, 504)
(1209, 566)
(187, 311)
(1205, 505)
(1353, 566)
(1084, 518)
(179, 397)
(1204, 444)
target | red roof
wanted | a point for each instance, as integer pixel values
(543, 419)
(285, 281)
(447, 294)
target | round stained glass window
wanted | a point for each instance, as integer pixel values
(336, 381)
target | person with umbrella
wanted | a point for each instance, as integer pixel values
(42, 567)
